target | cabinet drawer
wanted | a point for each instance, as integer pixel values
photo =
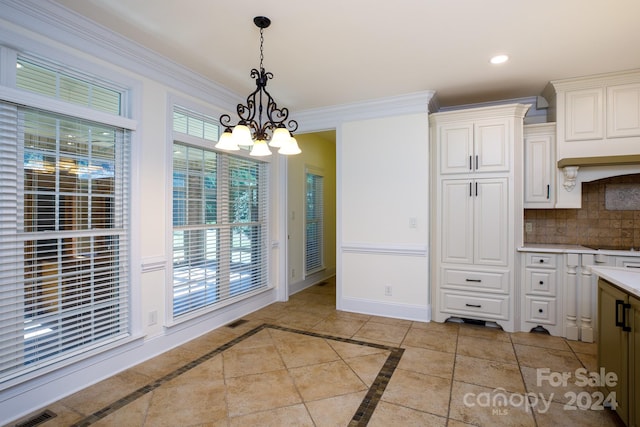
(541, 260)
(473, 305)
(540, 282)
(485, 281)
(540, 310)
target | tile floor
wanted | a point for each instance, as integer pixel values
(303, 363)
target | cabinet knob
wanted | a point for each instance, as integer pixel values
(541, 261)
(540, 310)
(541, 282)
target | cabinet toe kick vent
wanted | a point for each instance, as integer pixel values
(539, 330)
(476, 322)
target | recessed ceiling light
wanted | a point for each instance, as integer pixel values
(499, 59)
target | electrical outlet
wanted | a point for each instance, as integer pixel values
(388, 290)
(528, 227)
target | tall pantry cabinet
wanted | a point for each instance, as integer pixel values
(477, 212)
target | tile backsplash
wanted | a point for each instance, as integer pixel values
(609, 217)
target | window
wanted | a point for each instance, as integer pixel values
(219, 222)
(64, 236)
(314, 226)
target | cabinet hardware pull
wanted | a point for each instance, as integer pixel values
(541, 282)
(470, 189)
(476, 189)
(474, 305)
(625, 307)
(473, 280)
(548, 191)
(618, 304)
(476, 162)
(540, 310)
(541, 261)
(632, 266)
(470, 164)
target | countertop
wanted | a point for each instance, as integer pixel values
(573, 249)
(624, 278)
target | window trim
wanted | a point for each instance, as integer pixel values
(313, 170)
(178, 137)
(131, 102)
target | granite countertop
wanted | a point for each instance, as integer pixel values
(624, 278)
(573, 249)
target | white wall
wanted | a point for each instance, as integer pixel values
(383, 216)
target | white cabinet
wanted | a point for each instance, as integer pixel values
(475, 209)
(473, 215)
(598, 125)
(541, 302)
(469, 147)
(539, 166)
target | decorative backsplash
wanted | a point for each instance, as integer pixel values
(609, 218)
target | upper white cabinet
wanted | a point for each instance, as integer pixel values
(597, 115)
(623, 111)
(476, 191)
(470, 146)
(539, 165)
(584, 114)
(598, 130)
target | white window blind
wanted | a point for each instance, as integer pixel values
(47, 80)
(219, 228)
(64, 230)
(314, 225)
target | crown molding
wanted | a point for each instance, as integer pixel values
(52, 20)
(330, 117)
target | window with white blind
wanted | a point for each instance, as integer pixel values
(64, 229)
(219, 225)
(314, 225)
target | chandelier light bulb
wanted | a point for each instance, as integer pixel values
(290, 147)
(227, 142)
(242, 135)
(260, 148)
(281, 136)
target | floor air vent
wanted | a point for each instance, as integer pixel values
(237, 323)
(37, 419)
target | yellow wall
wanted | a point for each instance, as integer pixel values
(319, 153)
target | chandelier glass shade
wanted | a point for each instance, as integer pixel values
(262, 124)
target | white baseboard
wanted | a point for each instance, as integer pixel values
(418, 313)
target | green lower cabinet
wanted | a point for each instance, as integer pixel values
(613, 344)
(634, 363)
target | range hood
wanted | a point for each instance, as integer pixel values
(573, 171)
(629, 159)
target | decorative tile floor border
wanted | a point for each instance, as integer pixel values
(360, 418)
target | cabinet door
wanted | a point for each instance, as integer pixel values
(491, 221)
(584, 114)
(538, 171)
(491, 146)
(456, 148)
(613, 345)
(634, 362)
(456, 212)
(623, 111)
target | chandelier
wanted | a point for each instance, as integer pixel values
(262, 124)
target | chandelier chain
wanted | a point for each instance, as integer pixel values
(261, 50)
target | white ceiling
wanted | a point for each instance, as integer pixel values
(331, 52)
